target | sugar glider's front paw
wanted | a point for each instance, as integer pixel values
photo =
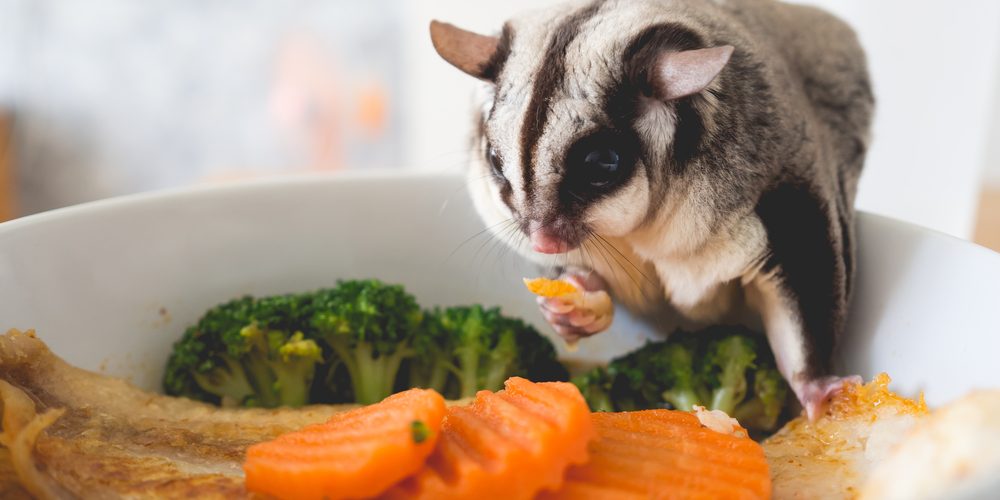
(577, 305)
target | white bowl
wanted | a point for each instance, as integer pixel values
(111, 285)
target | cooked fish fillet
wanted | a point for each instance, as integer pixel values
(72, 433)
(952, 454)
(832, 457)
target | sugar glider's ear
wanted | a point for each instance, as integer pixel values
(470, 52)
(679, 74)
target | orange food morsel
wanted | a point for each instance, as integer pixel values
(505, 445)
(545, 287)
(359, 453)
(665, 454)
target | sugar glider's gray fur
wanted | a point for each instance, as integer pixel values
(740, 197)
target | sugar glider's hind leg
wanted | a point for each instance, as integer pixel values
(795, 354)
(802, 291)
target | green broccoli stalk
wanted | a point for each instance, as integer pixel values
(370, 326)
(227, 380)
(297, 360)
(595, 385)
(484, 348)
(280, 367)
(432, 366)
(726, 364)
(680, 379)
(762, 410)
(481, 348)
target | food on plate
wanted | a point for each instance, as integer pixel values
(953, 453)
(357, 342)
(832, 457)
(509, 444)
(358, 453)
(68, 432)
(665, 453)
(113, 439)
(72, 433)
(724, 368)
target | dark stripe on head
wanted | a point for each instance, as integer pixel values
(550, 77)
(808, 259)
(491, 68)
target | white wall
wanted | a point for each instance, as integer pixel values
(935, 66)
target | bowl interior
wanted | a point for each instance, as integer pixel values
(111, 285)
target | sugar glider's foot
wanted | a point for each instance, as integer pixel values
(816, 394)
(580, 317)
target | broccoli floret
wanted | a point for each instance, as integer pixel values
(596, 387)
(763, 409)
(357, 342)
(238, 354)
(724, 368)
(370, 327)
(226, 380)
(281, 366)
(481, 348)
(197, 371)
(726, 365)
(680, 379)
(432, 366)
(657, 373)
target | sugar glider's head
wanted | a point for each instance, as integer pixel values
(588, 116)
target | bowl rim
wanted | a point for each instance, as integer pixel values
(347, 176)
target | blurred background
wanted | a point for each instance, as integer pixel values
(106, 97)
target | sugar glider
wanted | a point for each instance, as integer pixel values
(714, 144)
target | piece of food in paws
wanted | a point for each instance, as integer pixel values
(510, 444)
(549, 288)
(953, 453)
(832, 457)
(666, 453)
(594, 304)
(356, 454)
(597, 302)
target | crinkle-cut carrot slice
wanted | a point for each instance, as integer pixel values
(665, 454)
(359, 453)
(510, 444)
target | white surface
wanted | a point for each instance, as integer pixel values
(93, 279)
(936, 71)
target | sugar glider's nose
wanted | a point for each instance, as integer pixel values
(545, 240)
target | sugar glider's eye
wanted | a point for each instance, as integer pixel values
(496, 163)
(603, 165)
(597, 163)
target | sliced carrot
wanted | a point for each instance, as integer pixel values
(359, 453)
(665, 454)
(510, 444)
